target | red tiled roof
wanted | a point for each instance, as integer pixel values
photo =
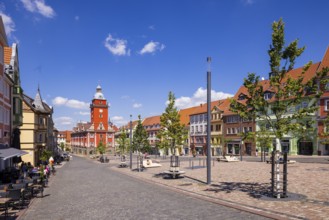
(7, 54)
(153, 120)
(185, 113)
(225, 107)
(325, 63)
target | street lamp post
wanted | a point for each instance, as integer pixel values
(130, 137)
(208, 122)
(241, 141)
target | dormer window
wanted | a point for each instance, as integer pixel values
(268, 95)
(242, 97)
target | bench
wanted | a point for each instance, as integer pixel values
(149, 164)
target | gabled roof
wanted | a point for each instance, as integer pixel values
(324, 63)
(82, 126)
(308, 75)
(115, 128)
(325, 60)
(224, 105)
(153, 120)
(7, 55)
(127, 126)
(200, 109)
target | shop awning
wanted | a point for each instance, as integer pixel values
(6, 153)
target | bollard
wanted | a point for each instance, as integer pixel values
(192, 164)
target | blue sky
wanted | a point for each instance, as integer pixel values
(139, 50)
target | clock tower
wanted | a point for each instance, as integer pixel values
(99, 116)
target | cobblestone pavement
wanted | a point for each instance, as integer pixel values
(244, 185)
(86, 189)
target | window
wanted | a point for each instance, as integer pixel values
(229, 130)
(201, 118)
(192, 129)
(232, 119)
(326, 105)
(205, 129)
(233, 130)
(268, 95)
(250, 129)
(201, 128)
(218, 127)
(211, 128)
(40, 138)
(100, 115)
(241, 97)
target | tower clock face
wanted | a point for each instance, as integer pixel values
(100, 110)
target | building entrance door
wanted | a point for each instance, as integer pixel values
(305, 148)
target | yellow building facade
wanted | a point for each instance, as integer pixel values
(35, 129)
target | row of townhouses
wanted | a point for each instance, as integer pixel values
(26, 125)
(227, 126)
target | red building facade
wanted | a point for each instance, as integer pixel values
(86, 137)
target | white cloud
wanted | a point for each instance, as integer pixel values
(63, 121)
(83, 113)
(152, 27)
(77, 18)
(70, 103)
(199, 97)
(77, 104)
(117, 46)
(39, 6)
(8, 23)
(119, 120)
(59, 101)
(152, 47)
(137, 105)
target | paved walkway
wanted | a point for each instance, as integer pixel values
(244, 184)
(87, 189)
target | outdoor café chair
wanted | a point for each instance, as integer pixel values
(15, 197)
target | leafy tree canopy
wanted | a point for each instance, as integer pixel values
(172, 133)
(140, 141)
(277, 101)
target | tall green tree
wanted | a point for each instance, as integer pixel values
(101, 148)
(123, 141)
(172, 133)
(140, 141)
(277, 106)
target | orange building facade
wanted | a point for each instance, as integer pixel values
(86, 137)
